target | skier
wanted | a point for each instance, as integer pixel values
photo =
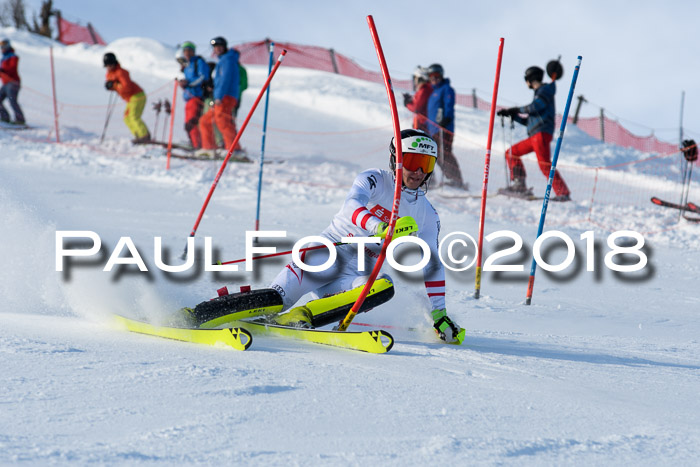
(10, 83)
(365, 212)
(418, 103)
(118, 80)
(226, 92)
(196, 72)
(540, 128)
(441, 125)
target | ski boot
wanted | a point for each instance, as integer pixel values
(299, 317)
(446, 329)
(517, 187)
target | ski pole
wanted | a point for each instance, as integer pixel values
(110, 107)
(168, 110)
(156, 107)
(233, 145)
(262, 145)
(282, 253)
(399, 179)
(687, 187)
(172, 121)
(487, 164)
(550, 181)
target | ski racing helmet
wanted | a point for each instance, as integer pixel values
(188, 45)
(180, 57)
(534, 73)
(419, 150)
(110, 59)
(218, 40)
(5, 44)
(420, 73)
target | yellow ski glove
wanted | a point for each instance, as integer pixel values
(404, 226)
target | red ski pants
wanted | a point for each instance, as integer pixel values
(222, 115)
(539, 142)
(193, 110)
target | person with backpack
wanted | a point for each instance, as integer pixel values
(119, 81)
(540, 129)
(226, 93)
(196, 74)
(10, 83)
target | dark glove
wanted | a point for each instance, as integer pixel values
(407, 99)
(109, 85)
(690, 150)
(510, 112)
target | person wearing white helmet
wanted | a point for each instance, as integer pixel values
(364, 213)
(418, 103)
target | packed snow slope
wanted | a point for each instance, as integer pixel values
(602, 368)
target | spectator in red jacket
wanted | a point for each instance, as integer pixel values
(418, 103)
(10, 83)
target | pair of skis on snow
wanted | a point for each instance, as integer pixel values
(240, 335)
(687, 208)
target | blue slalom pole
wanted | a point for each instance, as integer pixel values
(264, 131)
(552, 171)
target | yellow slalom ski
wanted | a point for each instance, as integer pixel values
(236, 337)
(376, 341)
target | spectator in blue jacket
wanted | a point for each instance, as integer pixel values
(540, 128)
(441, 124)
(196, 73)
(226, 92)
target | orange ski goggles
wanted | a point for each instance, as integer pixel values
(414, 161)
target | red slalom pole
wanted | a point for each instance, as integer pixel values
(172, 121)
(487, 165)
(234, 143)
(53, 88)
(399, 180)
